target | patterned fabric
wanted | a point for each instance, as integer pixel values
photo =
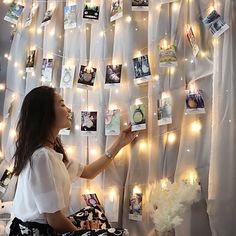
(90, 213)
(20, 228)
(99, 232)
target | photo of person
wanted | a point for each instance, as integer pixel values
(194, 102)
(14, 13)
(86, 75)
(135, 206)
(192, 40)
(112, 122)
(215, 23)
(47, 69)
(139, 5)
(91, 11)
(113, 75)
(30, 62)
(88, 122)
(91, 199)
(164, 112)
(141, 69)
(168, 1)
(31, 15)
(47, 17)
(116, 9)
(70, 17)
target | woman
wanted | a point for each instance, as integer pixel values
(42, 194)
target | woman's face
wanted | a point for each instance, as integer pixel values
(62, 113)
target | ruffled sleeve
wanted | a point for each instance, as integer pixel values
(75, 169)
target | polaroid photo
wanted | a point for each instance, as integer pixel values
(70, 20)
(194, 102)
(168, 1)
(215, 24)
(91, 11)
(31, 15)
(86, 76)
(142, 71)
(5, 180)
(30, 62)
(140, 5)
(138, 117)
(91, 199)
(14, 13)
(164, 112)
(113, 76)
(47, 18)
(168, 56)
(47, 68)
(135, 206)
(88, 122)
(116, 9)
(112, 122)
(111, 206)
(192, 40)
(67, 76)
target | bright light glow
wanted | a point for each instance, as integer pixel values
(128, 18)
(93, 152)
(196, 127)
(142, 145)
(112, 195)
(113, 106)
(15, 64)
(39, 31)
(2, 125)
(171, 138)
(164, 44)
(156, 77)
(21, 72)
(102, 33)
(175, 6)
(137, 101)
(13, 96)
(52, 32)
(52, 6)
(172, 70)
(137, 189)
(203, 54)
(70, 150)
(164, 182)
(6, 55)
(2, 86)
(158, 7)
(13, 133)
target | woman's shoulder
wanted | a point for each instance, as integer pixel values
(42, 152)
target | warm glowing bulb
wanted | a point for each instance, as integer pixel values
(114, 62)
(13, 96)
(77, 127)
(172, 70)
(2, 86)
(171, 138)
(15, 64)
(39, 31)
(142, 145)
(113, 106)
(69, 150)
(52, 32)
(196, 127)
(128, 18)
(12, 133)
(203, 54)
(93, 152)
(164, 44)
(156, 77)
(137, 189)
(52, 6)
(164, 183)
(102, 33)
(137, 101)
(2, 125)
(175, 6)
(158, 7)
(192, 177)
(112, 195)
(6, 55)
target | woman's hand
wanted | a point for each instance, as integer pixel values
(126, 136)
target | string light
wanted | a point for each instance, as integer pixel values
(171, 138)
(142, 145)
(164, 182)
(137, 189)
(2, 125)
(128, 18)
(2, 86)
(196, 127)
(13, 133)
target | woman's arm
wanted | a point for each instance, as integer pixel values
(60, 223)
(92, 170)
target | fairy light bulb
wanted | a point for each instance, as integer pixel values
(175, 6)
(142, 145)
(203, 54)
(70, 150)
(164, 182)
(6, 55)
(94, 152)
(113, 106)
(52, 6)
(102, 33)
(13, 133)
(137, 101)
(77, 127)
(138, 54)
(39, 31)
(52, 32)
(2, 125)
(137, 189)
(158, 7)
(164, 44)
(112, 195)
(171, 138)
(196, 127)
(128, 19)
(13, 96)
(2, 86)
(114, 62)
(172, 70)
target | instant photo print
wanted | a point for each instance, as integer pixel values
(91, 199)
(140, 5)
(192, 40)
(167, 56)
(113, 75)
(141, 69)
(164, 113)
(135, 206)
(70, 17)
(30, 62)
(194, 102)
(47, 18)
(86, 76)
(138, 117)
(116, 9)
(88, 122)
(47, 68)
(67, 76)
(112, 122)
(91, 11)
(14, 13)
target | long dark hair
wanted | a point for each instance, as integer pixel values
(34, 127)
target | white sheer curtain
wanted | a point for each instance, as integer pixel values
(101, 43)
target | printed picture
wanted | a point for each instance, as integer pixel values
(14, 13)
(141, 69)
(113, 75)
(47, 17)
(86, 75)
(192, 40)
(30, 62)
(194, 102)
(167, 56)
(31, 15)
(67, 76)
(91, 11)
(215, 23)
(70, 17)
(138, 117)
(139, 5)
(135, 206)
(112, 122)
(88, 122)
(5, 180)
(116, 9)
(91, 199)
(164, 111)
(47, 68)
